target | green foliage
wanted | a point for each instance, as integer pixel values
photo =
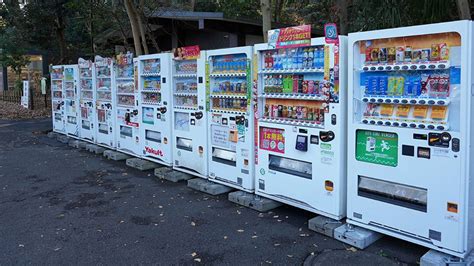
(12, 38)
(234, 9)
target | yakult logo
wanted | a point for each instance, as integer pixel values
(153, 151)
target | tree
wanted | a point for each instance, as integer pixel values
(12, 39)
(266, 18)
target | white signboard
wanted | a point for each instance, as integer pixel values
(25, 99)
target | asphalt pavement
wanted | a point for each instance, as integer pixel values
(59, 205)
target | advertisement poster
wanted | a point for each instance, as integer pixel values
(377, 147)
(181, 121)
(330, 33)
(272, 139)
(187, 53)
(290, 37)
(148, 115)
(223, 137)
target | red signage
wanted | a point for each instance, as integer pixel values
(290, 37)
(272, 139)
(187, 53)
(153, 151)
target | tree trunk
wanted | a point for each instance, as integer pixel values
(266, 18)
(140, 14)
(192, 4)
(134, 25)
(60, 32)
(463, 9)
(342, 6)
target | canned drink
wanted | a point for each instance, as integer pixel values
(304, 113)
(368, 55)
(408, 54)
(392, 51)
(290, 112)
(305, 87)
(274, 111)
(425, 55)
(400, 54)
(434, 52)
(382, 86)
(310, 86)
(284, 112)
(374, 55)
(310, 114)
(383, 55)
(280, 111)
(299, 113)
(416, 56)
(444, 51)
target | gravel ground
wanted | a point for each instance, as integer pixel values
(59, 205)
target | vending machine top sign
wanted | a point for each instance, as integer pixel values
(409, 113)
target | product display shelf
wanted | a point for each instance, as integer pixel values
(227, 111)
(405, 100)
(231, 96)
(405, 124)
(293, 122)
(291, 71)
(230, 74)
(406, 66)
(295, 96)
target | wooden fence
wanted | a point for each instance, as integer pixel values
(37, 101)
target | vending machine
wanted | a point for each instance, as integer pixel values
(301, 125)
(86, 100)
(71, 100)
(105, 102)
(410, 132)
(230, 117)
(155, 105)
(189, 114)
(57, 99)
(128, 115)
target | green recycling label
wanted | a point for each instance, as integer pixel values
(377, 147)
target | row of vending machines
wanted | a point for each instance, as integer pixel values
(375, 127)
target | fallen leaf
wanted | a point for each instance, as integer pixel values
(194, 254)
(193, 223)
(197, 259)
(276, 244)
(254, 236)
(225, 237)
(240, 230)
(353, 249)
(290, 256)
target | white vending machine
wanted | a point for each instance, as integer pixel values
(105, 102)
(128, 114)
(230, 117)
(301, 125)
(409, 134)
(71, 100)
(57, 99)
(86, 100)
(155, 105)
(190, 116)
